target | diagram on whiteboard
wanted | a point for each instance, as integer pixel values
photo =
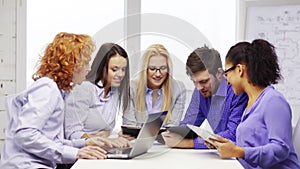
(280, 25)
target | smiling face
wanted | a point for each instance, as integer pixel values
(157, 71)
(234, 76)
(206, 83)
(116, 71)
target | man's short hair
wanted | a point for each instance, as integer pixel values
(203, 58)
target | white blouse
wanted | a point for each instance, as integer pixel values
(87, 111)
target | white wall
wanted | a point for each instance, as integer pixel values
(215, 19)
(46, 18)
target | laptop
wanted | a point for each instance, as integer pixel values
(144, 140)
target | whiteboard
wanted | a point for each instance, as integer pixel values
(277, 21)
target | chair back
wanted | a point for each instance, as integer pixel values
(296, 139)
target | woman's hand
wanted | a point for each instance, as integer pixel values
(227, 148)
(210, 146)
(91, 152)
(121, 142)
(108, 142)
(126, 136)
(103, 133)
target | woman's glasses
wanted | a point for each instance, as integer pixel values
(228, 70)
(153, 69)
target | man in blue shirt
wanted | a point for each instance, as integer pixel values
(213, 99)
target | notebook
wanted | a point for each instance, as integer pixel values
(144, 140)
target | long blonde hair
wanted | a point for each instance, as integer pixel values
(140, 106)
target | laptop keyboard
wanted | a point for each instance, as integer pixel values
(118, 150)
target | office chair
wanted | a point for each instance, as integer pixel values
(296, 138)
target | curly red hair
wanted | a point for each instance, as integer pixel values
(67, 52)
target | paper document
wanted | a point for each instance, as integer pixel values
(203, 133)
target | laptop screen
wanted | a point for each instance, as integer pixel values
(148, 133)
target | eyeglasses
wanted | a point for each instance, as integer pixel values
(153, 70)
(228, 70)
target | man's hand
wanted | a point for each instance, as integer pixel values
(176, 141)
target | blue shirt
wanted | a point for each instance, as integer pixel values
(157, 105)
(265, 132)
(223, 112)
(34, 137)
(133, 117)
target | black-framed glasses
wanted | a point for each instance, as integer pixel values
(228, 70)
(153, 69)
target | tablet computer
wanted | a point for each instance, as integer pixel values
(183, 131)
(131, 130)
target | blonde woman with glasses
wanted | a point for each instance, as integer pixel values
(155, 89)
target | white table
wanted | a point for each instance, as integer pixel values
(162, 157)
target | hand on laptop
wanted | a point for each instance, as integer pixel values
(103, 133)
(108, 142)
(120, 142)
(91, 152)
(126, 136)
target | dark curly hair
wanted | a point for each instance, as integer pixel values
(260, 59)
